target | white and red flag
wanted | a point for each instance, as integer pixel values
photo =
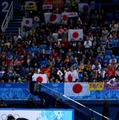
(42, 78)
(64, 17)
(68, 76)
(28, 22)
(83, 7)
(76, 89)
(52, 17)
(75, 34)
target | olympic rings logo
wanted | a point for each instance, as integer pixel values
(5, 116)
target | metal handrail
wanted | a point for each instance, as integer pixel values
(78, 103)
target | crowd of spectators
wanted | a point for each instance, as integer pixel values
(93, 58)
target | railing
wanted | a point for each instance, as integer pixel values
(8, 17)
(72, 101)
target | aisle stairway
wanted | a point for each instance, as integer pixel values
(14, 25)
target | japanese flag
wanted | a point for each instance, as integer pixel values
(59, 72)
(27, 22)
(36, 18)
(76, 89)
(68, 76)
(75, 34)
(83, 7)
(64, 17)
(42, 78)
(53, 18)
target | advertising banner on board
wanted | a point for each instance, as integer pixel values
(96, 86)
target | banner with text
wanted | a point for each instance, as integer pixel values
(30, 5)
(111, 85)
(58, 4)
(47, 6)
(50, 4)
(66, 15)
(95, 85)
(79, 91)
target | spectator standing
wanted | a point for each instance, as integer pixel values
(68, 75)
(75, 74)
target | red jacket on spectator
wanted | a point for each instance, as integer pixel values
(65, 44)
(110, 71)
(54, 54)
(7, 61)
(20, 49)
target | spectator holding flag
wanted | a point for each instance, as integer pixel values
(68, 75)
(75, 76)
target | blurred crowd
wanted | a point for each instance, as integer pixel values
(91, 59)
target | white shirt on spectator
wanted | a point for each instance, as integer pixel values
(16, 38)
(102, 73)
(75, 75)
(96, 67)
(114, 28)
(87, 44)
(105, 32)
(115, 60)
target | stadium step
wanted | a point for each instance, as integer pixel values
(12, 31)
(14, 25)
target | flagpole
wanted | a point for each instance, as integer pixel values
(76, 102)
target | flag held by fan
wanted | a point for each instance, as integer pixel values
(28, 22)
(42, 78)
(75, 34)
(83, 7)
(52, 18)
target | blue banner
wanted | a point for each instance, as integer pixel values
(75, 91)
(14, 91)
(14, 85)
(59, 88)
